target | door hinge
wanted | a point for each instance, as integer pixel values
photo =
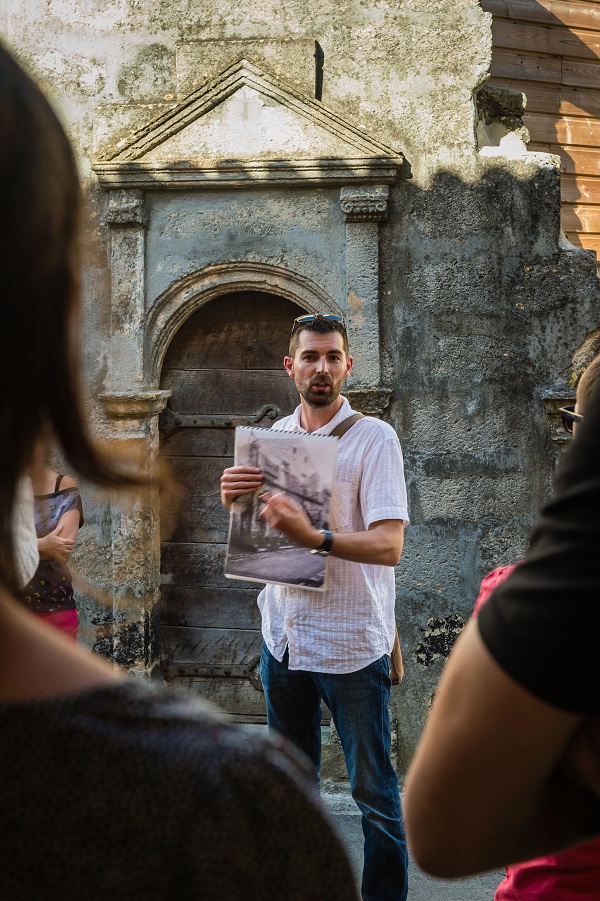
(170, 420)
(172, 670)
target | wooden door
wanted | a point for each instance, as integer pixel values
(224, 364)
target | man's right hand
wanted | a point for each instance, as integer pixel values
(239, 480)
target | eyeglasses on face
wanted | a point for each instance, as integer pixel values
(569, 417)
(313, 317)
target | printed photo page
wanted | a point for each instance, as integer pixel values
(302, 466)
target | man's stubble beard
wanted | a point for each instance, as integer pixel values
(321, 400)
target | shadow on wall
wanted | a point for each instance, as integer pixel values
(483, 313)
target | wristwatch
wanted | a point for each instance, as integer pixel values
(324, 549)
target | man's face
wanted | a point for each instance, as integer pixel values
(319, 367)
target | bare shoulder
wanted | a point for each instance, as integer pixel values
(68, 482)
(37, 663)
(44, 481)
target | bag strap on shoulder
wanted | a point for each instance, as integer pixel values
(396, 664)
(345, 424)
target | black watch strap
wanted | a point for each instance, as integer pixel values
(325, 548)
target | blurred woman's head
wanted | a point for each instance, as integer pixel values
(587, 383)
(39, 279)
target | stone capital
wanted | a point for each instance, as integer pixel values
(370, 401)
(139, 405)
(366, 204)
(126, 208)
(552, 403)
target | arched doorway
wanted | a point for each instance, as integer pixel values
(224, 364)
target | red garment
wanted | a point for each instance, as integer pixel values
(572, 875)
(490, 583)
(65, 620)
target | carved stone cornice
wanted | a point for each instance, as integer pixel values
(370, 401)
(552, 403)
(340, 152)
(369, 204)
(254, 174)
(126, 208)
(139, 405)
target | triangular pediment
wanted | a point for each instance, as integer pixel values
(245, 120)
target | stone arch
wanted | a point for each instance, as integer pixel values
(186, 295)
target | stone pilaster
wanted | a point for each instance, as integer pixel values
(364, 208)
(133, 423)
(126, 219)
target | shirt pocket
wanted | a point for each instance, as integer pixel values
(341, 507)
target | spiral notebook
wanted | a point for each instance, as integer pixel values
(302, 466)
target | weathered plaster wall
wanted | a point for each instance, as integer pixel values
(490, 317)
(392, 66)
(295, 229)
(481, 312)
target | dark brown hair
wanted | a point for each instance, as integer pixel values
(321, 326)
(39, 277)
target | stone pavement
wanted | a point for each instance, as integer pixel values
(346, 818)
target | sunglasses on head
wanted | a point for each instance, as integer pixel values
(569, 417)
(314, 317)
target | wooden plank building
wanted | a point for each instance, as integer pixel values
(550, 50)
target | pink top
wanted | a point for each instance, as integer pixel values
(572, 875)
(490, 583)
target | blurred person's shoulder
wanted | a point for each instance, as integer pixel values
(175, 729)
(229, 774)
(207, 806)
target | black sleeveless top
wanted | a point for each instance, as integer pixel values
(542, 624)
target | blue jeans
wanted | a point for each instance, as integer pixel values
(359, 706)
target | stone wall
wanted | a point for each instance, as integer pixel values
(478, 351)
(482, 307)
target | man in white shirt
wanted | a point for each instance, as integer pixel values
(335, 646)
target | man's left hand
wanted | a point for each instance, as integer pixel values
(288, 517)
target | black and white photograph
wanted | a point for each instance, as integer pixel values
(302, 466)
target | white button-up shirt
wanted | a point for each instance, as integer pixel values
(351, 624)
